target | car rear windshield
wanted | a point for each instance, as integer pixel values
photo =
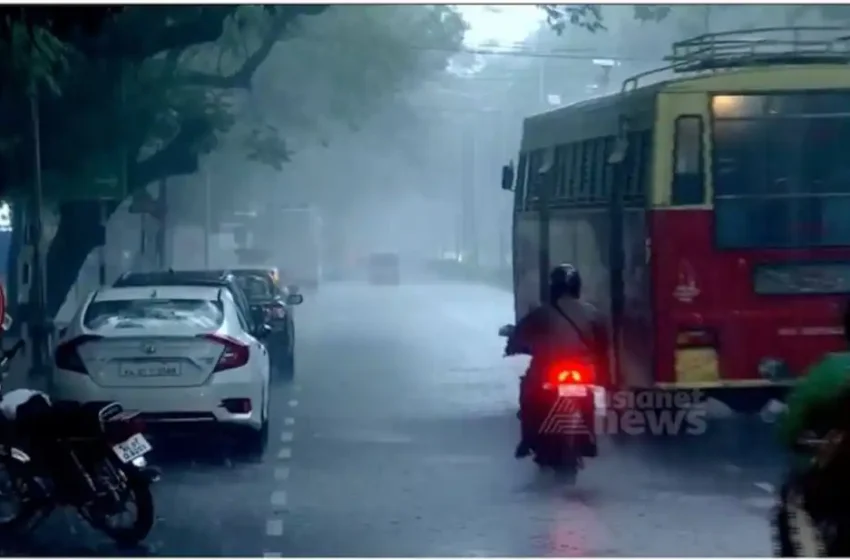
(203, 314)
(781, 172)
(802, 278)
(256, 286)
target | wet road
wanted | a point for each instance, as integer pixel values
(396, 439)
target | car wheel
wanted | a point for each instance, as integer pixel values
(285, 361)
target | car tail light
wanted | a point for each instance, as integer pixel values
(234, 355)
(67, 355)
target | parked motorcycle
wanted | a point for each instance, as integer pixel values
(562, 410)
(87, 456)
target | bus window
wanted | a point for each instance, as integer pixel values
(599, 166)
(573, 172)
(532, 182)
(781, 177)
(561, 162)
(688, 184)
(607, 170)
(522, 167)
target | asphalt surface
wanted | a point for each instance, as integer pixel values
(396, 439)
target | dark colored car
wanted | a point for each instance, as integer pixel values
(384, 268)
(275, 305)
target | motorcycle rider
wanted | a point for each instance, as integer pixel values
(564, 325)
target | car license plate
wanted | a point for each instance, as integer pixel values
(132, 448)
(572, 390)
(158, 369)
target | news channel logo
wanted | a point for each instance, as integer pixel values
(633, 413)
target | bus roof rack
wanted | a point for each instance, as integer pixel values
(755, 47)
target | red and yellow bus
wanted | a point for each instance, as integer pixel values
(709, 213)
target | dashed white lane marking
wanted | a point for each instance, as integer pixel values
(279, 498)
(286, 436)
(289, 421)
(284, 453)
(281, 473)
(274, 527)
(766, 486)
(272, 554)
(293, 403)
(732, 468)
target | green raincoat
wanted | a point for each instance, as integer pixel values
(822, 383)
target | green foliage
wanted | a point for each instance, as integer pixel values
(590, 16)
(160, 86)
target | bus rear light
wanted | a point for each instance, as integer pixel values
(696, 338)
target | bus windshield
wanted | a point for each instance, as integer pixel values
(781, 173)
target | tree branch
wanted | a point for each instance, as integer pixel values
(179, 157)
(133, 38)
(284, 17)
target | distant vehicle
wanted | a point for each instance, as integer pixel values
(253, 317)
(182, 355)
(722, 198)
(384, 268)
(262, 289)
(294, 239)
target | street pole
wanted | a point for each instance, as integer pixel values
(101, 267)
(37, 312)
(207, 217)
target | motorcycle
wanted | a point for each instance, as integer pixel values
(87, 456)
(810, 518)
(563, 410)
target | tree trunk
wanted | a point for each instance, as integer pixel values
(79, 233)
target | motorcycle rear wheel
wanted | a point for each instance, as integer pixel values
(131, 535)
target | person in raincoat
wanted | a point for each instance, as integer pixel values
(820, 401)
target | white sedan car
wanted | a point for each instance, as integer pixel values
(181, 355)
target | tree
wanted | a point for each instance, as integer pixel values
(152, 89)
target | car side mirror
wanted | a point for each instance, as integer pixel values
(294, 299)
(508, 177)
(507, 331)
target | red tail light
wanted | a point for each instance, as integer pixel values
(571, 374)
(67, 355)
(234, 355)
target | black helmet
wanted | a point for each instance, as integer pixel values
(564, 280)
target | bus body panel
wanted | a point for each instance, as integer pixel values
(697, 287)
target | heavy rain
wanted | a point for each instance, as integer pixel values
(300, 246)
